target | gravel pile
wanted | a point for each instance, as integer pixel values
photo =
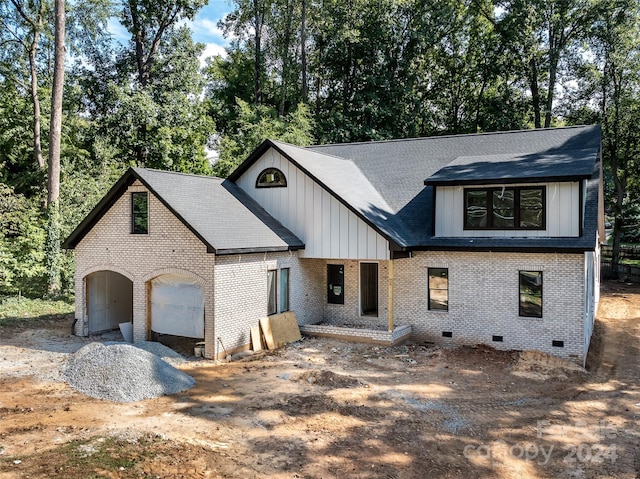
(123, 373)
(164, 352)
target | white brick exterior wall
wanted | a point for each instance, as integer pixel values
(483, 287)
(235, 286)
(169, 247)
(241, 294)
(483, 300)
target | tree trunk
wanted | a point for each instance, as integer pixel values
(535, 92)
(303, 52)
(55, 129)
(285, 59)
(35, 99)
(53, 193)
(553, 68)
(257, 52)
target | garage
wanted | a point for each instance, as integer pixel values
(109, 300)
(177, 306)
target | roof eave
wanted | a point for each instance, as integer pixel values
(257, 153)
(99, 210)
(509, 249)
(506, 181)
(271, 249)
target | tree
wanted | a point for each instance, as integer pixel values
(55, 130)
(23, 24)
(619, 48)
(149, 22)
(541, 34)
(257, 123)
(158, 120)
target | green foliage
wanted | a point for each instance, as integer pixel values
(162, 124)
(22, 244)
(18, 309)
(255, 124)
(52, 250)
(377, 70)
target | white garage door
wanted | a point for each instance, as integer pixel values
(177, 306)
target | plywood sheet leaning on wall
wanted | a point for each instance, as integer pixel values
(256, 338)
(280, 329)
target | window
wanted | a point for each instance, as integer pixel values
(272, 291)
(139, 213)
(504, 208)
(271, 178)
(335, 283)
(284, 290)
(438, 289)
(530, 294)
(272, 307)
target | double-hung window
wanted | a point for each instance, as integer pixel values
(284, 290)
(272, 305)
(504, 208)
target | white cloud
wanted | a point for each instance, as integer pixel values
(212, 49)
(206, 28)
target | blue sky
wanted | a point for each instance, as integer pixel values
(204, 28)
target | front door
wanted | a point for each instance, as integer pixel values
(335, 283)
(369, 289)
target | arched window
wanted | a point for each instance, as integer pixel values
(271, 178)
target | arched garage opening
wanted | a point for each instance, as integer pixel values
(177, 306)
(109, 300)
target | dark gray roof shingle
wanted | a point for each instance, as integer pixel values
(384, 182)
(217, 211)
(516, 167)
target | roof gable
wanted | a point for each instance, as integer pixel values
(202, 204)
(342, 178)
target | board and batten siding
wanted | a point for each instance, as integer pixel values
(327, 227)
(562, 212)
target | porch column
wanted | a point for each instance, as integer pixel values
(390, 309)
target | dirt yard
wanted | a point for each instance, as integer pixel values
(329, 409)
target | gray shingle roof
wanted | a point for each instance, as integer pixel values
(217, 211)
(393, 167)
(384, 182)
(516, 167)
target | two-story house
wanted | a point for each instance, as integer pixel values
(486, 238)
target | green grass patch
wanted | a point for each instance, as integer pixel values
(18, 309)
(97, 457)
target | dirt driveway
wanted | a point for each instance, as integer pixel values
(328, 409)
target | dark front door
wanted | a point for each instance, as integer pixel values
(369, 289)
(335, 283)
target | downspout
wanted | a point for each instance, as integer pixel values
(390, 309)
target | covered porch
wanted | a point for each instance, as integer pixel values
(353, 301)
